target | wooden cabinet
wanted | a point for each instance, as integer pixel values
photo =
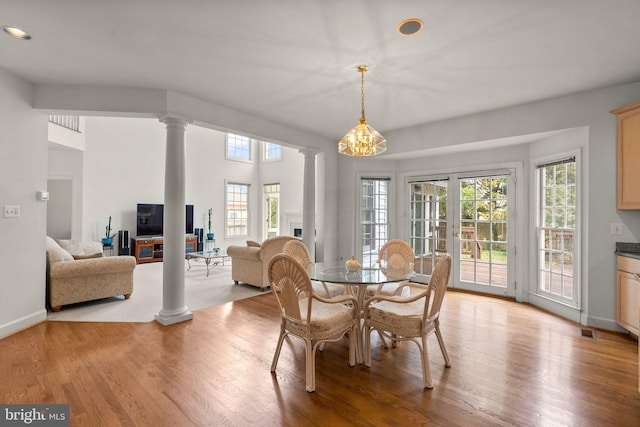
(628, 294)
(150, 249)
(628, 153)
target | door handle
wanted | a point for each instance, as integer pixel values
(457, 234)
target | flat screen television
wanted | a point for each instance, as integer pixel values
(150, 217)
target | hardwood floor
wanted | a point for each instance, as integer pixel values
(511, 365)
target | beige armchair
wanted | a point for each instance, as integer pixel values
(250, 264)
(78, 271)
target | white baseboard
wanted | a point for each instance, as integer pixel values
(602, 323)
(22, 323)
(574, 314)
(562, 310)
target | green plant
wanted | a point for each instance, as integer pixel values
(108, 230)
(210, 214)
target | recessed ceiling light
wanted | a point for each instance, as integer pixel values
(410, 27)
(17, 33)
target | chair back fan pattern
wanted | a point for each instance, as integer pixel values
(289, 283)
(396, 246)
(396, 259)
(297, 250)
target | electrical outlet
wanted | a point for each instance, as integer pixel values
(616, 229)
(11, 211)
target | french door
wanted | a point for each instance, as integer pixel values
(470, 217)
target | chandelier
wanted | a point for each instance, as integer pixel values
(362, 140)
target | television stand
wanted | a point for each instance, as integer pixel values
(150, 248)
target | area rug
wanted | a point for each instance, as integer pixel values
(146, 300)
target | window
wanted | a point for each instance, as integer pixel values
(557, 217)
(272, 151)
(237, 207)
(238, 147)
(374, 217)
(272, 209)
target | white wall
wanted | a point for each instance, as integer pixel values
(66, 164)
(60, 208)
(23, 172)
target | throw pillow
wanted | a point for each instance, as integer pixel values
(252, 243)
(55, 253)
(88, 256)
(74, 247)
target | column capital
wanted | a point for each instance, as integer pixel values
(309, 152)
(175, 120)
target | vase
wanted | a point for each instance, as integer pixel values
(107, 241)
(352, 265)
(210, 236)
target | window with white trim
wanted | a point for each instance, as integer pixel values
(272, 152)
(237, 210)
(238, 147)
(374, 217)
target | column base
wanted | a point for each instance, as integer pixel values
(167, 319)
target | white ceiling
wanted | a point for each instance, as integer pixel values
(293, 61)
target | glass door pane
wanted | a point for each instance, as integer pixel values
(482, 245)
(428, 216)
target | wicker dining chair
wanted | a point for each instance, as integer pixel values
(396, 257)
(411, 318)
(308, 316)
(298, 250)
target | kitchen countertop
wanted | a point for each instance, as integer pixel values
(629, 250)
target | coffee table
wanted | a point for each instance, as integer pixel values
(212, 257)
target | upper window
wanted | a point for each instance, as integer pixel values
(238, 147)
(272, 151)
(237, 215)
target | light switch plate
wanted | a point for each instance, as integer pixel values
(11, 211)
(616, 229)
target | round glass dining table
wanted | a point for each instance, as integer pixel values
(357, 283)
(361, 279)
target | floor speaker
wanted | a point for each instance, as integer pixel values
(123, 243)
(199, 232)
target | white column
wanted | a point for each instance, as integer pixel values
(174, 309)
(309, 201)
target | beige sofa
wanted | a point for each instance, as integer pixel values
(250, 264)
(78, 271)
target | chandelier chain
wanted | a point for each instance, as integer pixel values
(362, 71)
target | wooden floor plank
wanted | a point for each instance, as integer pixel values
(511, 365)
